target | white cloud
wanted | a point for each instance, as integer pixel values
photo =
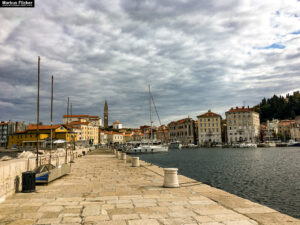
(197, 55)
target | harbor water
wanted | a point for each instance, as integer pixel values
(269, 176)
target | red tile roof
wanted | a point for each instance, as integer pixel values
(161, 131)
(209, 114)
(243, 109)
(286, 123)
(66, 116)
(21, 132)
(79, 123)
(180, 121)
(43, 127)
(3, 123)
(112, 132)
(97, 117)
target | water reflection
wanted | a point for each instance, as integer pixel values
(270, 176)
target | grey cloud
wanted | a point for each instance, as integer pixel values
(191, 52)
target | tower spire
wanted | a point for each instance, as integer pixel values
(105, 114)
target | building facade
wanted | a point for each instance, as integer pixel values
(103, 139)
(114, 137)
(243, 125)
(87, 132)
(295, 131)
(28, 138)
(94, 120)
(183, 130)
(284, 129)
(162, 134)
(209, 128)
(117, 125)
(3, 134)
(270, 130)
(8, 128)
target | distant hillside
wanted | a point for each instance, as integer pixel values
(279, 107)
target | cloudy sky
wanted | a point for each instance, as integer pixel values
(196, 54)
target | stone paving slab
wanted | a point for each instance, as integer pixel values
(104, 190)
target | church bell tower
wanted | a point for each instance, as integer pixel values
(105, 115)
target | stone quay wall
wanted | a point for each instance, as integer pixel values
(11, 170)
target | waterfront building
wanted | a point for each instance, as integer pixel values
(114, 137)
(295, 131)
(209, 128)
(28, 137)
(105, 115)
(224, 130)
(94, 120)
(127, 136)
(87, 132)
(137, 135)
(183, 130)
(103, 139)
(162, 134)
(8, 128)
(270, 130)
(117, 125)
(3, 134)
(243, 125)
(284, 129)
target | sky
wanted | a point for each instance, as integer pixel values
(196, 55)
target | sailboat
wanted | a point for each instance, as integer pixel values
(48, 172)
(152, 146)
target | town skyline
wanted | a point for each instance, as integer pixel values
(196, 55)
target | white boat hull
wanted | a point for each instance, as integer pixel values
(147, 149)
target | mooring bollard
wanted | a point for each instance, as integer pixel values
(135, 161)
(123, 156)
(171, 178)
(117, 154)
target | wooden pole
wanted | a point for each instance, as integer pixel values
(38, 114)
(68, 110)
(66, 158)
(51, 118)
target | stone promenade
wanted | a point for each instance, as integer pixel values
(104, 190)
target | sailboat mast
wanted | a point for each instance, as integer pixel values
(51, 116)
(150, 103)
(68, 110)
(38, 115)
